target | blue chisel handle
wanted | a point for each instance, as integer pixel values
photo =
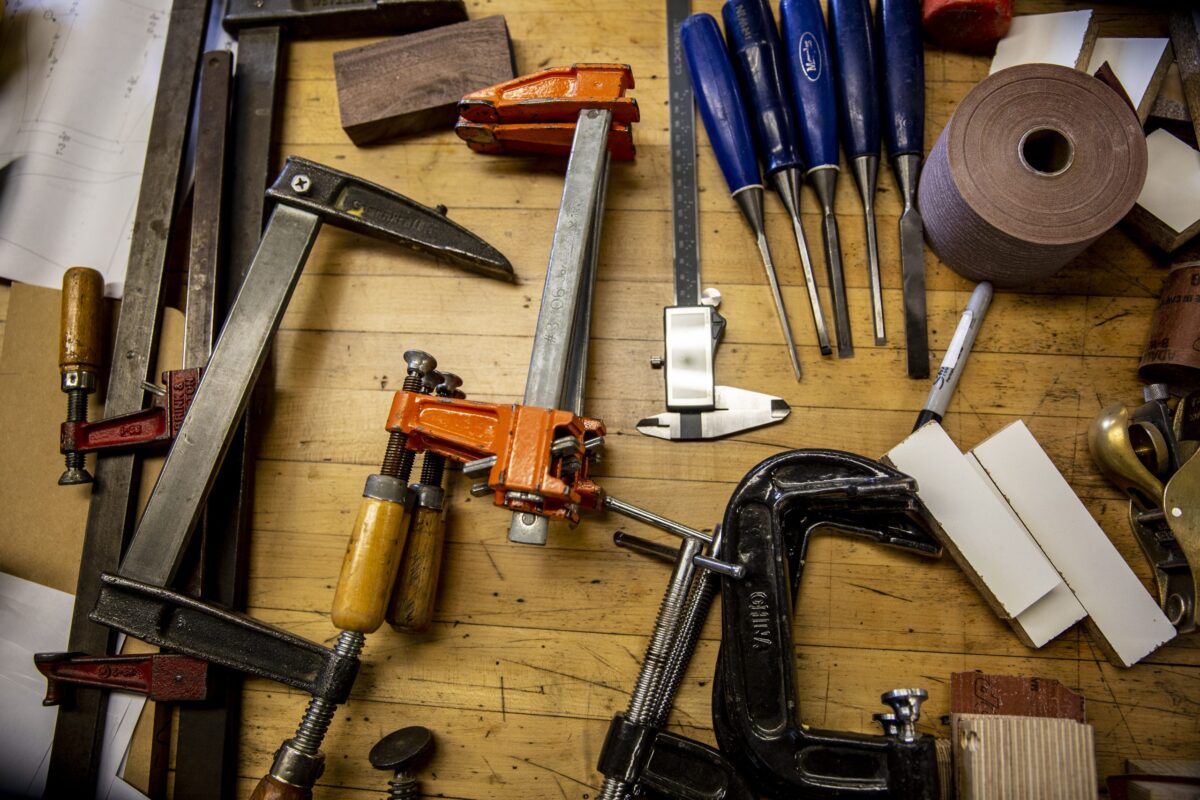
(851, 30)
(902, 71)
(758, 58)
(720, 101)
(807, 55)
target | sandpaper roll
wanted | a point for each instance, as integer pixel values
(1035, 164)
(1173, 353)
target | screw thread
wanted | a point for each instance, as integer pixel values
(77, 405)
(657, 653)
(614, 789)
(77, 411)
(320, 711)
(403, 788)
(685, 645)
(393, 456)
(432, 468)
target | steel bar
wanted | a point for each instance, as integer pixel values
(565, 284)
(190, 469)
(74, 756)
(207, 732)
(684, 209)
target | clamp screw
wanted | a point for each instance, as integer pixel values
(301, 184)
(403, 751)
(906, 705)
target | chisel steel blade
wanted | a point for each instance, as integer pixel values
(912, 265)
(912, 271)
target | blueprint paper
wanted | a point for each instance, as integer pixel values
(78, 88)
(37, 619)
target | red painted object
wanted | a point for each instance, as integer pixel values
(973, 26)
(537, 113)
(158, 423)
(164, 677)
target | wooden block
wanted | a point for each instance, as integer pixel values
(1167, 212)
(1012, 695)
(1065, 38)
(1127, 621)
(1140, 64)
(981, 532)
(1185, 39)
(413, 83)
(1023, 758)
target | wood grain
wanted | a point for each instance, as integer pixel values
(413, 83)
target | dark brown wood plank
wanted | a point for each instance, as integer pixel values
(413, 83)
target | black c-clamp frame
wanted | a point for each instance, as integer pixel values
(772, 516)
(764, 748)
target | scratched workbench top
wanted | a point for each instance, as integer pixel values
(534, 649)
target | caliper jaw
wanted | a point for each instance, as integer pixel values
(698, 409)
(769, 521)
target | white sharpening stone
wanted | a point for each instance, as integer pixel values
(1134, 61)
(1172, 188)
(1121, 612)
(1044, 39)
(980, 530)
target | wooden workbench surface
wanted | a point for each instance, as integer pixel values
(534, 649)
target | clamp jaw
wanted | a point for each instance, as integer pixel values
(1148, 451)
(768, 523)
(536, 459)
(537, 113)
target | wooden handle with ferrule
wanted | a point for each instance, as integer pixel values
(369, 568)
(271, 788)
(80, 343)
(415, 592)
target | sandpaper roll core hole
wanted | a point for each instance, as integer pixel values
(1046, 151)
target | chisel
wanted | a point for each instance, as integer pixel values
(757, 55)
(724, 115)
(901, 57)
(807, 52)
(858, 110)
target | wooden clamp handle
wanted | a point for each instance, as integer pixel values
(271, 788)
(369, 568)
(413, 598)
(82, 304)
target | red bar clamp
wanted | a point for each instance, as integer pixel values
(158, 423)
(164, 677)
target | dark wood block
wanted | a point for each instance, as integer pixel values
(413, 83)
(1012, 695)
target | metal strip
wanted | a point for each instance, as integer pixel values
(576, 387)
(564, 284)
(191, 466)
(256, 82)
(207, 197)
(206, 749)
(682, 119)
(74, 757)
